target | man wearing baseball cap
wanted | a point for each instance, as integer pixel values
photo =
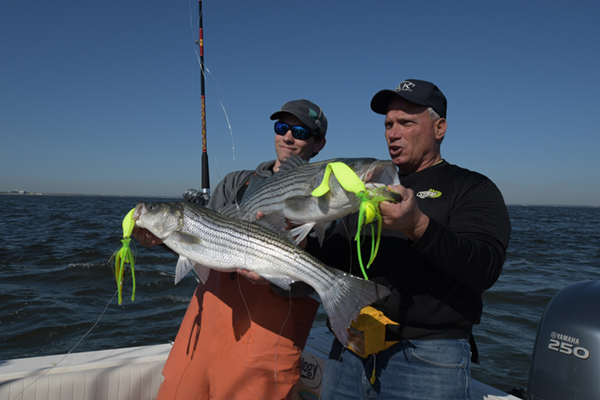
(300, 130)
(238, 338)
(442, 245)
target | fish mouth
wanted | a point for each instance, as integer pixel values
(140, 209)
(384, 172)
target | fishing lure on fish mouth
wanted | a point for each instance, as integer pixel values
(125, 255)
(368, 208)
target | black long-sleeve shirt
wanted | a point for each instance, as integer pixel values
(437, 281)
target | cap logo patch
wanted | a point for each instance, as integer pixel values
(405, 86)
(312, 114)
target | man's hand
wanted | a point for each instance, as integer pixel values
(145, 237)
(404, 216)
(253, 276)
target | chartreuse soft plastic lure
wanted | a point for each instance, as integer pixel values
(368, 209)
(124, 255)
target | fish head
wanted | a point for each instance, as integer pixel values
(162, 219)
(371, 170)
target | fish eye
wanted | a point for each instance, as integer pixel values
(151, 206)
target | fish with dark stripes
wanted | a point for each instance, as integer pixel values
(290, 191)
(206, 239)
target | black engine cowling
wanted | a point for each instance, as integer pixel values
(566, 357)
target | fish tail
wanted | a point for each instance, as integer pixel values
(344, 299)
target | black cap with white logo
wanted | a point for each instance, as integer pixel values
(416, 91)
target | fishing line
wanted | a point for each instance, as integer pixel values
(215, 158)
(230, 131)
(249, 336)
(289, 313)
(278, 339)
(72, 348)
(341, 221)
(372, 358)
(191, 20)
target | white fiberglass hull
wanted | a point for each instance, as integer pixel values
(135, 373)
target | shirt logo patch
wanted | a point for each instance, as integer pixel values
(431, 193)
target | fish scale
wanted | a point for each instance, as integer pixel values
(205, 239)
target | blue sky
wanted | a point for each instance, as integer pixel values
(104, 97)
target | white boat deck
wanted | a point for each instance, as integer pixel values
(120, 374)
(135, 374)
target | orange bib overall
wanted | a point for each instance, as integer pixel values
(238, 340)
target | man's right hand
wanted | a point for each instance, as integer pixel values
(404, 216)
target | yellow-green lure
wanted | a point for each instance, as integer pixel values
(124, 255)
(368, 209)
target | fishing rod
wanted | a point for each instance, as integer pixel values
(203, 195)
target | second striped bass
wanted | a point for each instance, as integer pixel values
(289, 191)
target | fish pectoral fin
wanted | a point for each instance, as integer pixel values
(186, 238)
(320, 231)
(301, 231)
(183, 267)
(280, 281)
(202, 272)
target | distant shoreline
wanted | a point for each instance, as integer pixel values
(179, 197)
(85, 195)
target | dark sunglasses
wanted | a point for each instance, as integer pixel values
(298, 132)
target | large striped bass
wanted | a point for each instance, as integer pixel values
(289, 190)
(206, 239)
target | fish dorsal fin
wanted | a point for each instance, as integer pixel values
(293, 161)
(275, 221)
(231, 211)
(254, 182)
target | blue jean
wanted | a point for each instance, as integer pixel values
(411, 369)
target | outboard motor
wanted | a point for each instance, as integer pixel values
(566, 357)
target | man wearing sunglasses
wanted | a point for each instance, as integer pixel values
(300, 130)
(238, 339)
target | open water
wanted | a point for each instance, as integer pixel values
(56, 282)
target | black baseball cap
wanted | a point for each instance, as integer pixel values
(414, 90)
(306, 111)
